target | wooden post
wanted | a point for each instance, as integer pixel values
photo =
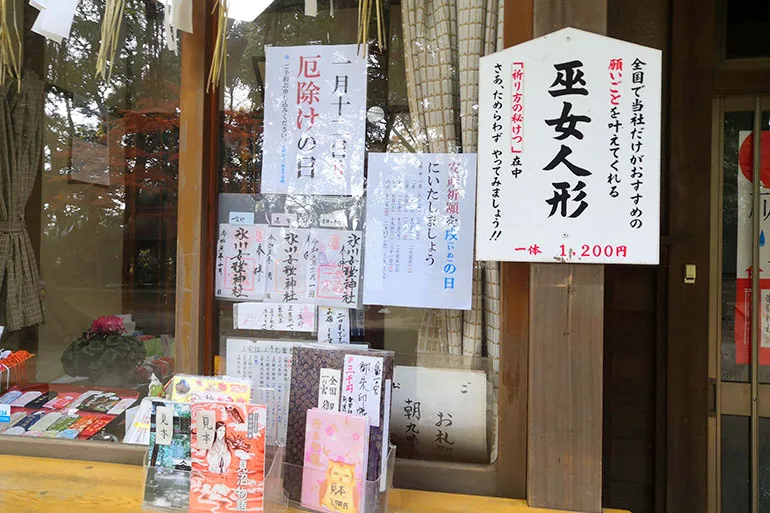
(191, 228)
(566, 321)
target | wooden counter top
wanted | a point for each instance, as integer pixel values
(42, 485)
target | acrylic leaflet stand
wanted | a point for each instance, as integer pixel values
(168, 490)
(373, 496)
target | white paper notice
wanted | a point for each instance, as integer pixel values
(315, 120)
(440, 413)
(241, 218)
(205, 422)
(274, 317)
(569, 151)
(164, 425)
(334, 267)
(764, 320)
(333, 325)
(287, 265)
(420, 222)
(267, 363)
(55, 21)
(241, 261)
(362, 387)
(329, 389)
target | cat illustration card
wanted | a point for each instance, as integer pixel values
(336, 452)
(228, 457)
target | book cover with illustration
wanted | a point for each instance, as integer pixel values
(186, 388)
(336, 453)
(167, 483)
(228, 457)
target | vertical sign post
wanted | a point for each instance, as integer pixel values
(568, 174)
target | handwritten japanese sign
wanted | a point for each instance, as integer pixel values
(569, 151)
(241, 259)
(274, 317)
(333, 325)
(287, 265)
(362, 387)
(334, 267)
(205, 421)
(329, 389)
(315, 120)
(164, 425)
(419, 217)
(440, 414)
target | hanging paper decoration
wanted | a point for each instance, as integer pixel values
(111, 23)
(220, 50)
(365, 8)
(10, 42)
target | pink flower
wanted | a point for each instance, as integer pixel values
(108, 324)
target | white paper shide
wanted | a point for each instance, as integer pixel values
(569, 151)
(315, 120)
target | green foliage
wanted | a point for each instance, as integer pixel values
(106, 358)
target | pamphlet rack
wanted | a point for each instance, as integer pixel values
(168, 489)
(370, 497)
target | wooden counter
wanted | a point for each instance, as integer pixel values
(42, 485)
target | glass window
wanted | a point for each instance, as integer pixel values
(101, 178)
(737, 246)
(746, 28)
(419, 99)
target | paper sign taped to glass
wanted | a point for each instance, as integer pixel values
(315, 120)
(267, 365)
(440, 414)
(241, 259)
(275, 317)
(419, 218)
(319, 266)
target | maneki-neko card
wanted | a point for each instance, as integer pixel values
(336, 449)
(228, 457)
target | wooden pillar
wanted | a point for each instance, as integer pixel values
(192, 207)
(566, 320)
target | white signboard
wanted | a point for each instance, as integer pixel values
(274, 317)
(333, 325)
(267, 363)
(440, 413)
(419, 217)
(241, 260)
(315, 120)
(362, 387)
(569, 151)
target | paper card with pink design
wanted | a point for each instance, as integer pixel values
(228, 457)
(241, 271)
(336, 449)
(334, 267)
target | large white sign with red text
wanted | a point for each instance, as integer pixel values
(315, 120)
(569, 151)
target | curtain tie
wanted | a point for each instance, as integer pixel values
(12, 226)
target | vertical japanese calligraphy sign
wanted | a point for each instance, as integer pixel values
(315, 120)
(569, 151)
(419, 218)
(241, 258)
(745, 244)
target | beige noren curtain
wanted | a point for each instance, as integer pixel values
(443, 41)
(21, 139)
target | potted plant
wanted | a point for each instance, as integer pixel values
(105, 353)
